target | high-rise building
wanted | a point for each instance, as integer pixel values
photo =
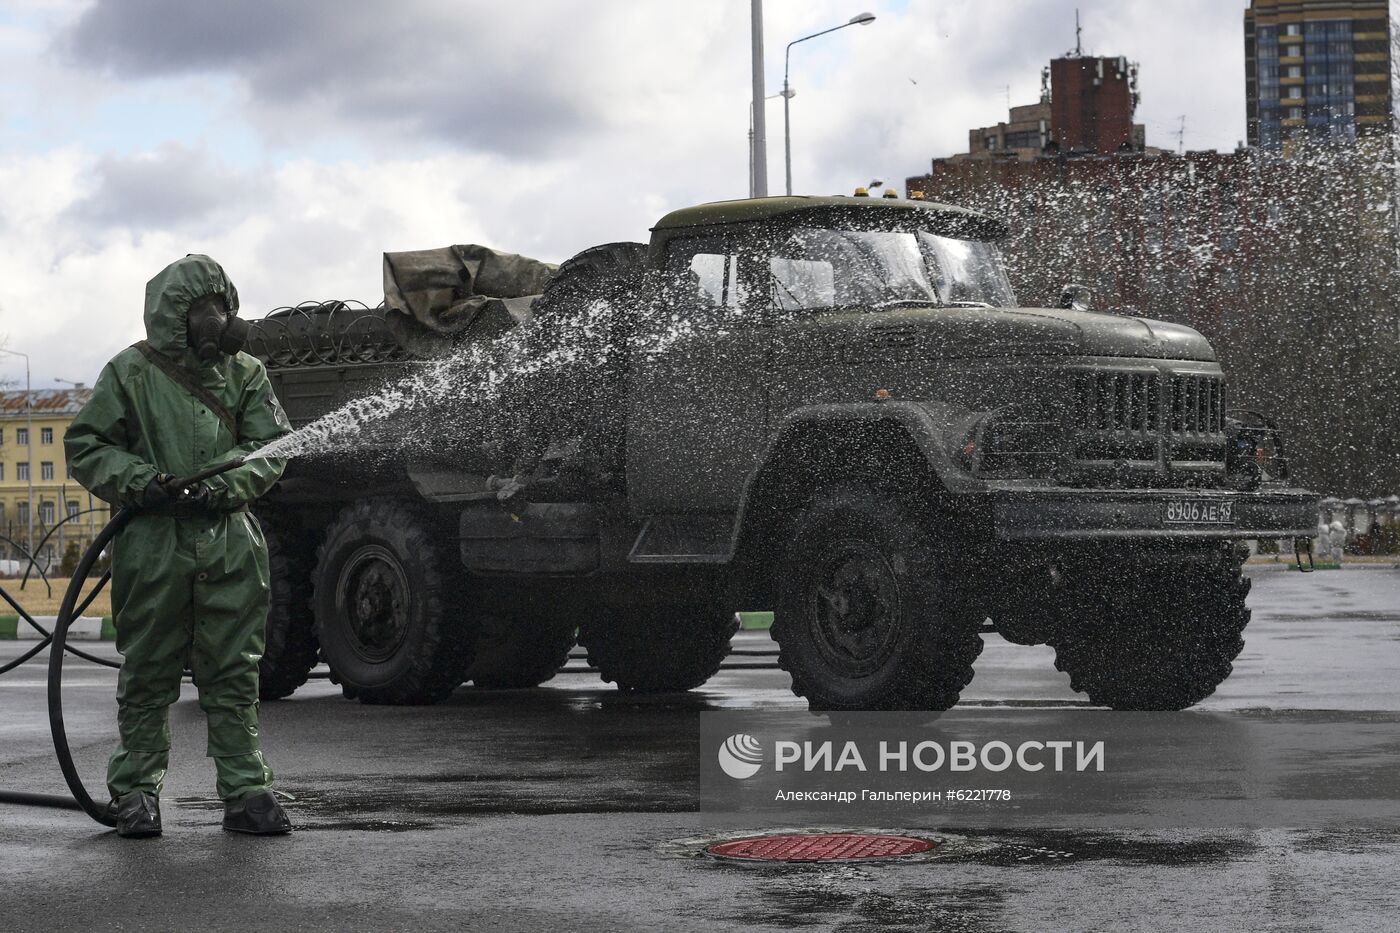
(1316, 70)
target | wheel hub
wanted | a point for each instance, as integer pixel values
(855, 605)
(374, 594)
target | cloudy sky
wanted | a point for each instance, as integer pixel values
(297, 141)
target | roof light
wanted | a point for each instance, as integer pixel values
(861, 192)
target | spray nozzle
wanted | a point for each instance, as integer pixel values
(206, 473)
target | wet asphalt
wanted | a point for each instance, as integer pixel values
(572, 807)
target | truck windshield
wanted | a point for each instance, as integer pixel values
(826, 268)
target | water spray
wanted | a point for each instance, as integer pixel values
(57, 642)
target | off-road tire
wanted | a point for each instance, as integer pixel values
(658, 649)
(579, 397)
(291, 647)
(867, 615)
(518, 650)
(403, 639)
(597, 272)
(1156, 637)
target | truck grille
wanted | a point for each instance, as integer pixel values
(1118, 402)
(1146, 421)
(1197, 404)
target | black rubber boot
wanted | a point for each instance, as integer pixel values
(137, 814)
(258, 814)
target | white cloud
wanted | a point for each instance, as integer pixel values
(307, 164)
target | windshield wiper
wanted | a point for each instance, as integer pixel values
(926, 302)
(902, 303)
(773, 280)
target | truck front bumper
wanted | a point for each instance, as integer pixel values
(1057, 513)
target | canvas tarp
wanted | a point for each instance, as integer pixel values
(438, 295)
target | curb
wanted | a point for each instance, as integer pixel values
(84, 628)
(1275, 568)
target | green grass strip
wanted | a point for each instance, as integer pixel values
(755, 621)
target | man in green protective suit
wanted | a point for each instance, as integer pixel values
(190, 572)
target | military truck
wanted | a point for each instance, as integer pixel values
(827, 407)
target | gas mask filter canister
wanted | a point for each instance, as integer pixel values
(213, 330)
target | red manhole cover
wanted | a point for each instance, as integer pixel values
(820, 847)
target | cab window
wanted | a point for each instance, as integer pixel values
(702, 279)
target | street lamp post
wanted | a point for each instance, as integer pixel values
(860, 19)
(758, 150)
(29, 445)
(753, 178)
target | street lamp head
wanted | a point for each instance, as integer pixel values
(860, 19)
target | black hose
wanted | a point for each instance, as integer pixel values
(60, 638)
(57, 639)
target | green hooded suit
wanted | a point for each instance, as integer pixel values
(193, 589)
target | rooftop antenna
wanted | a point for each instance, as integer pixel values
(1078, 34)
(1181, 137)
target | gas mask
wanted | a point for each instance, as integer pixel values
(213, 330)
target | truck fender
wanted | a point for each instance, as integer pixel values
(935, 430)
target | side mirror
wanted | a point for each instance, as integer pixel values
(1074, 297)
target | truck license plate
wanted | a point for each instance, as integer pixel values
(1201, 511)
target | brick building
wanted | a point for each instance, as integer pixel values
(1092, 101)
(1087, 105)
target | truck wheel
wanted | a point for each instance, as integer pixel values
(866, 617)
(386, 595)
(1154, 638)
(291, 648)
(658, 649)
(519, 650)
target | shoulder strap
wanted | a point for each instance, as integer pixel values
(181, 377)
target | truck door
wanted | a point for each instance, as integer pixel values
(698, 399)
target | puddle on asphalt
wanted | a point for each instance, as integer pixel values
(1344, 841)
(808, 898)
(306, 806)
(367, 826)
(904, 894)
(1025, 704)
(484, 795)
(1357, 615)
